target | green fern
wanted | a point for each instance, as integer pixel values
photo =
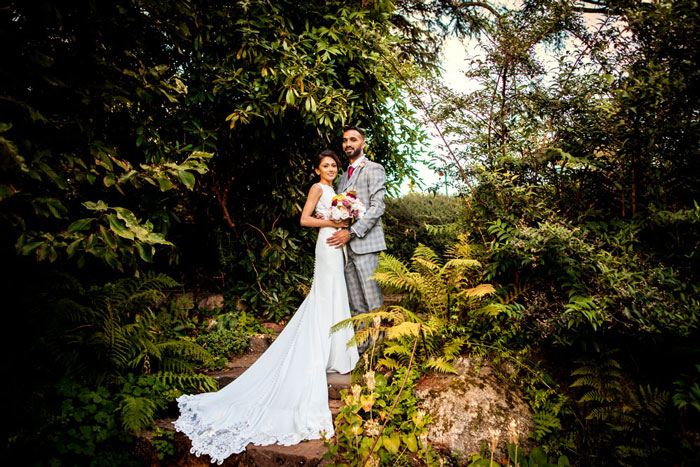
(442, 229)
(440, 288)
(601, 380)
(137, 413)
(546, 422)
(439, 364)
(187, 383)
(114, 336)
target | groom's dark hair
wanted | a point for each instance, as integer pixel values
(356, 128)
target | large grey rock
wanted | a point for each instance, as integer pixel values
(464, 406)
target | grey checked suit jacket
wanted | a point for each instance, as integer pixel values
(369, 184)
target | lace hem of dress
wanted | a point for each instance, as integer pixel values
(222, 443)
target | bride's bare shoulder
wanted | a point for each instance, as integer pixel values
(315, 190)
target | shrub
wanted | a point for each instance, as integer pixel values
(224, 342)
(427, 219)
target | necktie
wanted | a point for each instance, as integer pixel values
(350, 170)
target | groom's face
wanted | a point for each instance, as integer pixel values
(353, 144)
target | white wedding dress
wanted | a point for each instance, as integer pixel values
(283, 397)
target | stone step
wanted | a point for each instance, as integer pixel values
(336, 383)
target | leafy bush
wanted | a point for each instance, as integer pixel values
(86, 430)
(118, 365)
(358, 425)
(428, 219)
(224, 343)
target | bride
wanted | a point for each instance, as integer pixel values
(283, 397)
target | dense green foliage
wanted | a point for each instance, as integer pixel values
(579, 171)
(140, 136)
(428, 219)
(175, 136)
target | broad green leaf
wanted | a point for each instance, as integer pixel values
(109, 239)
(98, 206)
(411, 442)
(30, 247)
(80, 224)
(392, 443)
(538, 457)
(6, 191)
(127, 216)
(109, 180)
(164, 183)
(71, 249)
(187, 178)
(145, 251)
(118, 227)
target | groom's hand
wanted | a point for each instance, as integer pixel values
(339, 238)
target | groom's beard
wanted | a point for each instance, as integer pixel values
(354, 154)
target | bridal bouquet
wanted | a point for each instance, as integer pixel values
(346, 206)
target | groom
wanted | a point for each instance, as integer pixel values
(365, 238)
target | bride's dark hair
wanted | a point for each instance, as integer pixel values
(327, 153)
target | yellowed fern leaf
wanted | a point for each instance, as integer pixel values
(426, 266)
(426, 253)
(492, 309)
(389, 363)
(361, 336)
(440, 365)
(480, 290)
(404, 329)
(462, 263)
(392, 273)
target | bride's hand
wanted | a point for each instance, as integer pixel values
(343, 223)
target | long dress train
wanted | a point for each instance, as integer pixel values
(283, 397)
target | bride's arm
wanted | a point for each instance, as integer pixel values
(307, 217)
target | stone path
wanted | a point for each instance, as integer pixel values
(307, 453)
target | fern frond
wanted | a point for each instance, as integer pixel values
(187, 383)
(393, 314)
(461, 249)
(397, 348)
(451, 349)
(479, 291)
(595, 396)
(156, 281)
(136, 412)
(586, 380)
(600, 413)
(361, 336)
(440, 364)
(585, 370)
(404, 329)
(461, 264)
(442, 229)
(182, 348)
(392, 273)
(651, 399)
(176, 365)
(509, 295)
(427, 255)
(389, 363)
(492, 309)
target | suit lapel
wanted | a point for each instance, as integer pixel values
(342, 182)
(353, 179)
